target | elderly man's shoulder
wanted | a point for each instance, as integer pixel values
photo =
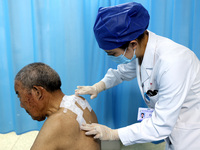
(59, 130)
(62, 121)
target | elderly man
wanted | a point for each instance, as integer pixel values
(38, 88)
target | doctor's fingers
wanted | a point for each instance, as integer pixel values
(93, 96)
(98, 136)
(90, 127)
(92, 132)
(87, 127)
(83, 87)
(85, 90)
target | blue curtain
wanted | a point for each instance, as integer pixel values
(60, 34)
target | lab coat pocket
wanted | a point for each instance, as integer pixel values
(185, 138)
(151, 100)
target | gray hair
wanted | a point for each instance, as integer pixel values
(39, 74)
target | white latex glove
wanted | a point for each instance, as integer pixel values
(91, 90)
(100, 131)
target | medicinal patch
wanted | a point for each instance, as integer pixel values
(69, 102)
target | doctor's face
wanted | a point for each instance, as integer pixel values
(28, 102)
(118, 51)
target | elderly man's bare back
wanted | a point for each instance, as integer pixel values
(61, 131)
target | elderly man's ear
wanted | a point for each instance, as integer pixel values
(37, 92)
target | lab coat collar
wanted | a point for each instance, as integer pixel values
(144, 74)
(148, 59)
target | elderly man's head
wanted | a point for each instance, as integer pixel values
(34, 84)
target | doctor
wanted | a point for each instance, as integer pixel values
(168, 75)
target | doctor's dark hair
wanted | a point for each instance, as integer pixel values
(39, 74)
(139, 39)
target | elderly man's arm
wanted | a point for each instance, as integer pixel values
(59, 131)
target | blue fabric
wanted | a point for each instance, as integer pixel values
(60, 34)
(117, 25)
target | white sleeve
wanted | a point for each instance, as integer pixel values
(174, 80)
(123, 72)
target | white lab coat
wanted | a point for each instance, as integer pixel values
(174, 71)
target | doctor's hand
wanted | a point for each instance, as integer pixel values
(100, 131)
(91, 90)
